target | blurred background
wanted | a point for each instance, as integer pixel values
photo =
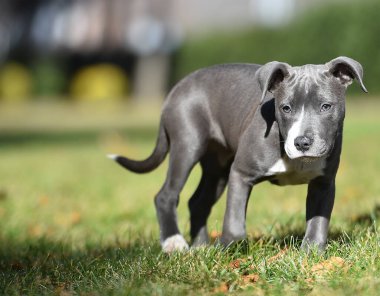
(123, 49)
(82, 78)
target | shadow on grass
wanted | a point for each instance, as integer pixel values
(38, 266)
(291, 234)
(368, 218)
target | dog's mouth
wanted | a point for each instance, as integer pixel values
(309, 159)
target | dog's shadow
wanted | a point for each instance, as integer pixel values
(292, 233)
(40, 258)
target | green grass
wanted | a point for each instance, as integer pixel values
(72, 222)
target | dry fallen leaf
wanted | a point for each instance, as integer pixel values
(250, 278)
(236, 263)
(68, 219)
(243, 267)
(309, 281)
(223, 288)
(214, 235)
(35, 230)
(43, 200)
(329, 265)
(75, 217)
(242, 263)
(277, 256)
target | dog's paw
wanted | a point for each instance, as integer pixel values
(174, 243)
(309, 246)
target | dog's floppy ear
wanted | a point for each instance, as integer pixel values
(345, 70)
(270, 76)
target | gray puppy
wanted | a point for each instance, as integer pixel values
(244, 124)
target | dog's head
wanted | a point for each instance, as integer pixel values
(309, 102)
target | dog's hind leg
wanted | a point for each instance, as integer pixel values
(182, 160)
(211, 186)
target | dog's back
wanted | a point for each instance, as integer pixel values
(217, 98)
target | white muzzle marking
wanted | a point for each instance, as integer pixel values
(293, 133)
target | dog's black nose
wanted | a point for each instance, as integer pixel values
(303, 143)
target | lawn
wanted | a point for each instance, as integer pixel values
(73, 222)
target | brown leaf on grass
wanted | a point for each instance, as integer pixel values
(276, 257)
(330, 265)
(75, 217)
(236, 263)
(250, 278)
(68, 219)
(43, 200)
(309, 281)
(243, 266)
(35, 230)
(223, 288)
(214, 235)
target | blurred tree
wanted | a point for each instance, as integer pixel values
(350, 28)
(49, 77)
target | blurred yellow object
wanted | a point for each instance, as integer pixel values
(16, 82)
(99, 82)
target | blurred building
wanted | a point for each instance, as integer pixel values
(137, 35)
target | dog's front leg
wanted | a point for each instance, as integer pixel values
(239, 189)
(319, 205)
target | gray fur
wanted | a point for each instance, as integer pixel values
(233, 120)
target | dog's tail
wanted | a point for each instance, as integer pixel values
(152, 162)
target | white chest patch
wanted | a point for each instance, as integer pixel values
(287, 171)
(278, 168)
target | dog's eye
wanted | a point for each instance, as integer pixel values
(286, 109)
(325, 107)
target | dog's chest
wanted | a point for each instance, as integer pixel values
(292, 172)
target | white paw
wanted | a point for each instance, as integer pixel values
(174, 243)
